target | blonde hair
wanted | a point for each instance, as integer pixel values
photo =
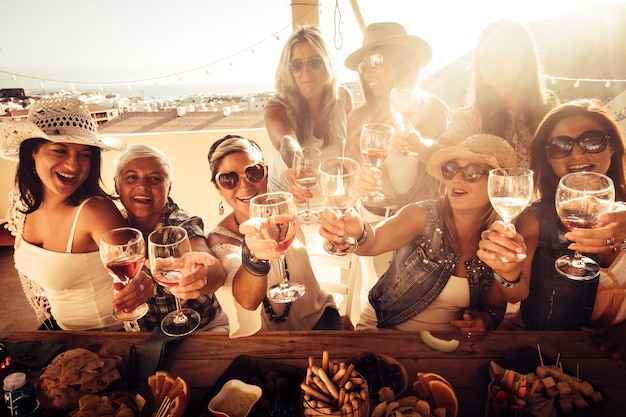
(227, 145)
(287, 89)
(142, 151)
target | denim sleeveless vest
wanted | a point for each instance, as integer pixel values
(554, 301)
(418, 273)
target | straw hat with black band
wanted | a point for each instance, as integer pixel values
(390, 34)
(60, 120)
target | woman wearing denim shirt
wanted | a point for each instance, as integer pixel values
(435, 281)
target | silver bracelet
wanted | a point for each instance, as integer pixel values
(504, 282)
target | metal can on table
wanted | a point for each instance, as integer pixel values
(20, 396)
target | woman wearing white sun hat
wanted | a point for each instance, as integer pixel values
(58, 213)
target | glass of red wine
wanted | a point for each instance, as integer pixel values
(580, 198)
(170, 257)
(279, 209)
(122, 251)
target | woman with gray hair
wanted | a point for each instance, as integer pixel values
(143, 181)
(309, 108)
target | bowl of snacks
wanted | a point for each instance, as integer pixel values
(235, 399)
(379, 371)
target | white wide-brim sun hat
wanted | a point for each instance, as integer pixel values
(61, 120)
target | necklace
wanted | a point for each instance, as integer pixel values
(236, 221)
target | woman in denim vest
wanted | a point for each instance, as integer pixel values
(435, 281)
(575, 136)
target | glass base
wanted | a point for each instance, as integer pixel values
(374, 197)
(348, 245)
(583, 269)
(136, 314)
(285, 293)
(176, 325)
(308, 217)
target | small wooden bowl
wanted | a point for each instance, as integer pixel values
(379, 371)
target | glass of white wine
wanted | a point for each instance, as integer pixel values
(376, 142)
(510, 191)
(305, 168)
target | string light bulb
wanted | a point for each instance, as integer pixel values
(41, 84)
(13, 78)
(607, 84)
(577, 84)
(553, 80)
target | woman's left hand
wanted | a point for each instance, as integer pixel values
(472, 326)
(610, 232)
(261, 247)
(299, 194)
(136, 292)
(613, 339)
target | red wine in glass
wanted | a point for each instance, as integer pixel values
(126, 267)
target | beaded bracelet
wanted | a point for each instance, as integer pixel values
(504, 282)
(252, 264)
(363, 237)
(495, 322)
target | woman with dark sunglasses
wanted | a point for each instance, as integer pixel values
(239, 174)
(143, 181)
(576, 136)
(309, 108)
(435, 281)
(388, 58)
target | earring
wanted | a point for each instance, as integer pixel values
(220, 208)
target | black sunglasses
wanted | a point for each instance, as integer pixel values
(313, 63)
(229, 180)
(374, 61)
(471, 172)
(592, 141)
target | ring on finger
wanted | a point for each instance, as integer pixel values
(141, 287)
(469, 335)
(610, 242)
(485, 234)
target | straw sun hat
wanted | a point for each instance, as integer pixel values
(62, 120)
(390, 34)
(482, 148)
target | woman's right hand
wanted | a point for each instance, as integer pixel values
(371, 179)
(299, 194)
(501, 241)
(333, 227)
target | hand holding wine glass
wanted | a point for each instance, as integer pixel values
(340, 181)
(278, 210)
(306, 161)
(405, 104)
(122, 251)
(376, 140)
(510, 191)
(171, 259)
(581, 197)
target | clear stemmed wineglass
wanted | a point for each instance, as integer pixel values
(122, 251)
(510, 191)
(580, 198)
(340, 181)
(280, 210)
(169, 253)
(306, 162)
(376, 140)
(405, 104)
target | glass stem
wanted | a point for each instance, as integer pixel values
(281, 270)
(180, 316)
(306, 208)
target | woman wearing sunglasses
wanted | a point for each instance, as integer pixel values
(576, 136)
(435, 281)
(143, 181)
(309, 108)
(389, 58)
(239, 173)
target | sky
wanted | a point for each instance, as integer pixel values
(135, 44)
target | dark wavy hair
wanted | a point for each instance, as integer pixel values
(546, 180)
(31, 187)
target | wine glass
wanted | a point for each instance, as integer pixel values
(168, 252)
(340, 180)
(510, 191)
(280, 210)
(306, 161)
(122, 251)
(376, 141)
(580, 198)
(405, 104)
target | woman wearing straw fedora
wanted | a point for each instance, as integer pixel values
(58, 213)
(391, 58)
(435, 281)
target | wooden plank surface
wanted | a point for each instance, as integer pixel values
(202, 357)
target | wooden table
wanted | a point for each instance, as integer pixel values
(202, 357)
